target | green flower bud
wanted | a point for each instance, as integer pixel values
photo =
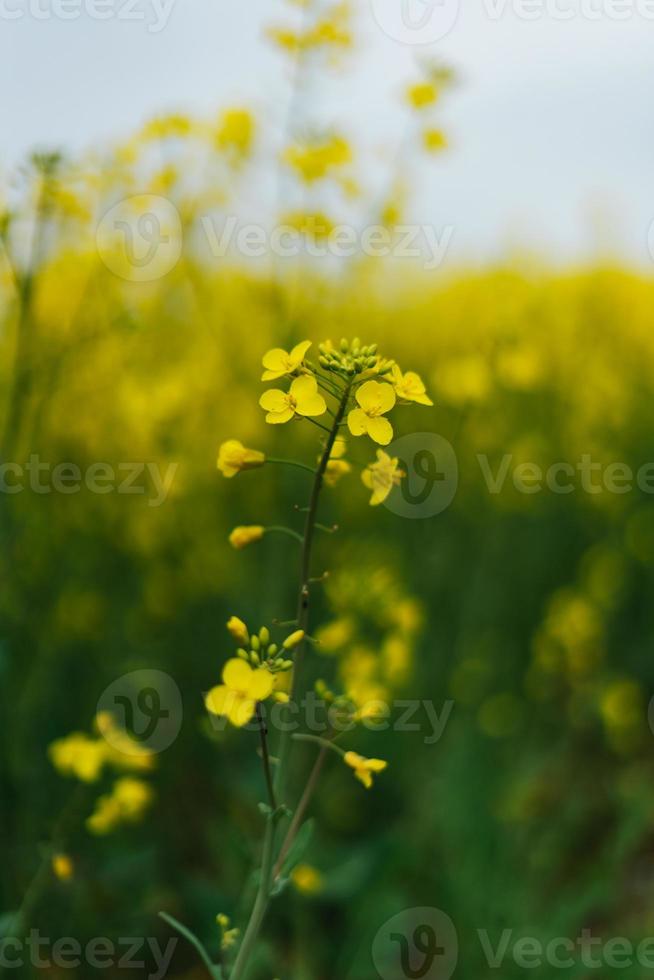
(264, 635)
(243, 654)
(344, 345)
(272, 650)
(254, 643)
(255, 659)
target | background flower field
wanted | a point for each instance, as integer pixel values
(530, 612)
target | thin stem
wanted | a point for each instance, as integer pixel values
(291, 462)
(317, 740)
(300, 811)
(280, 529)
(260, 903)
(319, 424)
(263, 732)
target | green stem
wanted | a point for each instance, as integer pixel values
(280, 529)
(263, 732)
(291, 462)
(263, 894)
(300, 811)
(317, 740)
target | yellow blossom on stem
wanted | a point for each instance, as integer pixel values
(381, 477)
(434, 140)
(293, 640)
(303, 398)
(336, 465)
(364, 768)
(235, 132)
(307, 879)
(79, 755)
(234, 457)
(238, 630)
(375, 399)
(243, 535)
(236, 698)
(125, 804)
(409, 387)
(315, 161)
(279, 362)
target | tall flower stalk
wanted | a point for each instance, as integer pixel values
(354, 389)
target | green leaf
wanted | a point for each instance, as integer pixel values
(215, 971)
(298, 847)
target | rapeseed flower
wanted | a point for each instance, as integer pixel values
(422, 94)
(238, 630)
(336, 465)
(303, 398)
(375, 399)
(381, 477)
(125, 804)
(409, 387)
(278, 362)
(244, 535)
(62, 867)
(364, 768)
(233, 457)
(236, 698)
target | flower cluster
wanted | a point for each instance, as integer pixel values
(87, 758)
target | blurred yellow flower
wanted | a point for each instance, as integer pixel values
(314, 225)
(307, 879)
(237, 696)
(434, 140)
(79, 755)
(409, 387)
(364, 768)
(336, 465)
(234, 457)
(374, 399)
(381, 477)
(422, 94)
(278, 362)
(315, 161)
(126, 804)
(243, 535)
(62, 867)
(238, 630)
(303, 398)
(235, 132)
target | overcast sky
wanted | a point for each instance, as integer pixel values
(551, 125)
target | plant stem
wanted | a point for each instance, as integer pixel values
(263, 731)
(280, 529)
(291, 462)
(279, 788)
(301, 809)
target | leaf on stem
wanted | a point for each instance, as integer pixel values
(215, 971)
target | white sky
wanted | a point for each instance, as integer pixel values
(552, 124)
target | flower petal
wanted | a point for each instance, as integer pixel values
(261, 684)
(380, 430)
(237, 675)
(368, 395)
(219, 700)
(277, 418)
(274, 400)
(386, 396)
(357, 422)
(299, 351)
(276, 360)
(311, 405)
(241, 711)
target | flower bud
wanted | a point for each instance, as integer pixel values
(293, 640)
(243, 654)
(264, 635)
(238, 629)
(272, 650)
(254, 643)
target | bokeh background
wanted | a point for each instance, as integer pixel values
(530, 613)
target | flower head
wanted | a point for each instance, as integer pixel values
(237, 696)
(239, 630)
(381, 477)
(234, 457)
(79, 755)
(235, 133)
(125, 804)
(364, 768)
(410, 387)
(375, 399)
(307, 879)
(434, 140)
(336, 465)
(278, 362)
(422, 94)
(244, 535)
(303, 398)
(62, 866)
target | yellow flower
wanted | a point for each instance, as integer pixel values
(422, 95)
(79, 755)
(234, 457)
(307, 879)
(364, 768)
(237, 696)
(62, 867)
(409, 387)
(314, 225)
(314, 161)
(336, 466)
(126, 804)
(236, 132)
(381, 477)
(375, 399)
(278, 362)
(239, 630)
(244, 535)
(293, 640)
(121, 750)
(303, 398)
(434, 140)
